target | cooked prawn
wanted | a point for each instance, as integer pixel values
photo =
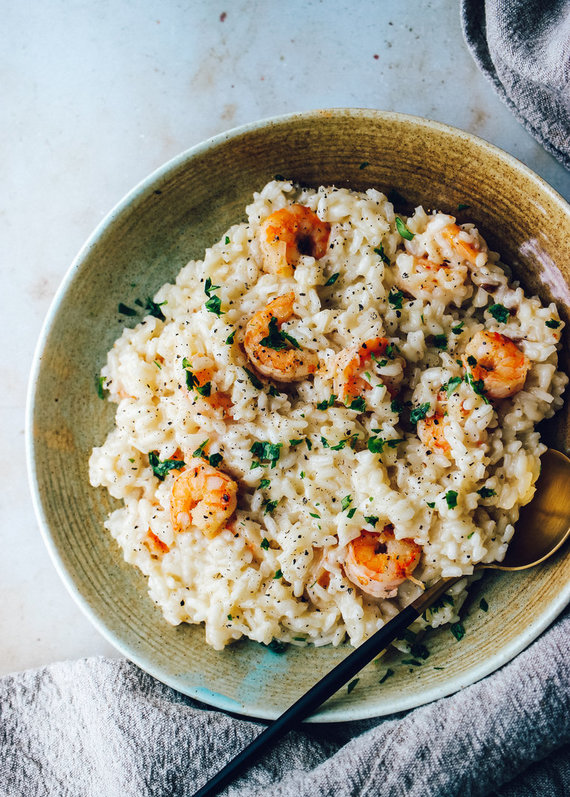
(431, 432)
(287, 234)
(420, 277)
(378, 563)
(278, 361)
(354, 363)
(202, 496)
(464, 249)
(498, 362)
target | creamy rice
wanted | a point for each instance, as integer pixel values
(258, 575)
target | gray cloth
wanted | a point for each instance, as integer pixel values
(523, 47)
(103, 728)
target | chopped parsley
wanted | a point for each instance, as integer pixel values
(294, 443)
(486, 492)
(478, 386)
(419, 651)
(471, 360)
(419, 413)
(403, 230)
(358, 404)
(200, 450)
(264, 484)
(483, 605)
(266, 452)
(269, 508)
(324, 405)
(213, 305)
(396, 406)
(458, 328)
(394, 442)
(453, 383)
(431, 504)
(458, 631)
(277, 339)
(352, 684)
(208, 287)
(499, 312)
(279, 178)
(451, 498)
(440, 341)
(124, 309)
(273, 391)
(372, 519)
(462, 206)
(101, 387)
(364, 164)
(375, 444)
(302, 474)
(395, 298)
(386, 675)
(192, 382)
(351, 512)
(160, 469)
(230, 338)
(552, 323)
(314, 514)
(253, 379)
(265, 544)
(309, 443)
(331, 280)
(278, 574)
(379, 250)
(227, 239)
(215, 460)
(153, 308)
(346, 502)
(339, 446)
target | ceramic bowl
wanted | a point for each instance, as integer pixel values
(171, 218)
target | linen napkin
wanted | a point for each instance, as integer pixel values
(103, 728)
(523, 47)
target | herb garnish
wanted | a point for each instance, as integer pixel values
(478, 386)
(230, 338)
(440, 341)
(125, 309)
(458, 328)
(364, 164)
(278, 574)
(269, 508)
(264, 483)
(458, 631)
(451, 498)
(395, 298)
(160, 469)
(213, 305)
(379, 250)
(332, 280)
(453, 383)
(200, 450)
(396, 406)
(351, 512)
(208, 287)
(499, 312)
(101, 387)
(215, 459)
(419, 413)
(552, 323)
(403, 230)
(462, 206)
(486, 492)
(375, 444)
(324, 405)
(265, 544)
(358, 404)
(346, 502)
(265, 451)
(253, 379)
(372, 519)
(277, 339)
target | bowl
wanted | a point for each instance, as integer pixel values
(170, 218)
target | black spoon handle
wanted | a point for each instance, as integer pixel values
(312, 699)
(326, 687)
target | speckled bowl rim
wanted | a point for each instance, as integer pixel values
(215, 699)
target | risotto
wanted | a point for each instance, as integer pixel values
(330, 411)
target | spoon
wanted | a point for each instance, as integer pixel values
(543, 527)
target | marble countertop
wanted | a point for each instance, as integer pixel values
(96, 95)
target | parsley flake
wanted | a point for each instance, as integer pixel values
(266, 452)
(269, 509)
(331, 280)
(230, 338)
(499, 312)
(451, 498)
(208, 287)
(346, 502)
(213, 305)
(264, 484)
(379, 250)
(458, 631)
(372, 519)
(375, 445)
(278, 574)
(552, 323)
(395, 298)
(486, 492)
(440, 341)
(253, 379)
(419, 413)
(324, 405)
(160, 469)
(351, 512)
(101, 387)
(358, 404)
(265, 544)
(453, 383)
(403, 230)
(200, 450)
(458, 328)
(215, 460)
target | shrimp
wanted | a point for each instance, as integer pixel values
(266, 346)
(202, 496)
(464, 249)
(352, 362)
(378, 563)
(498, 362)
(421, 277)
(287, 234)
(431, 432)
